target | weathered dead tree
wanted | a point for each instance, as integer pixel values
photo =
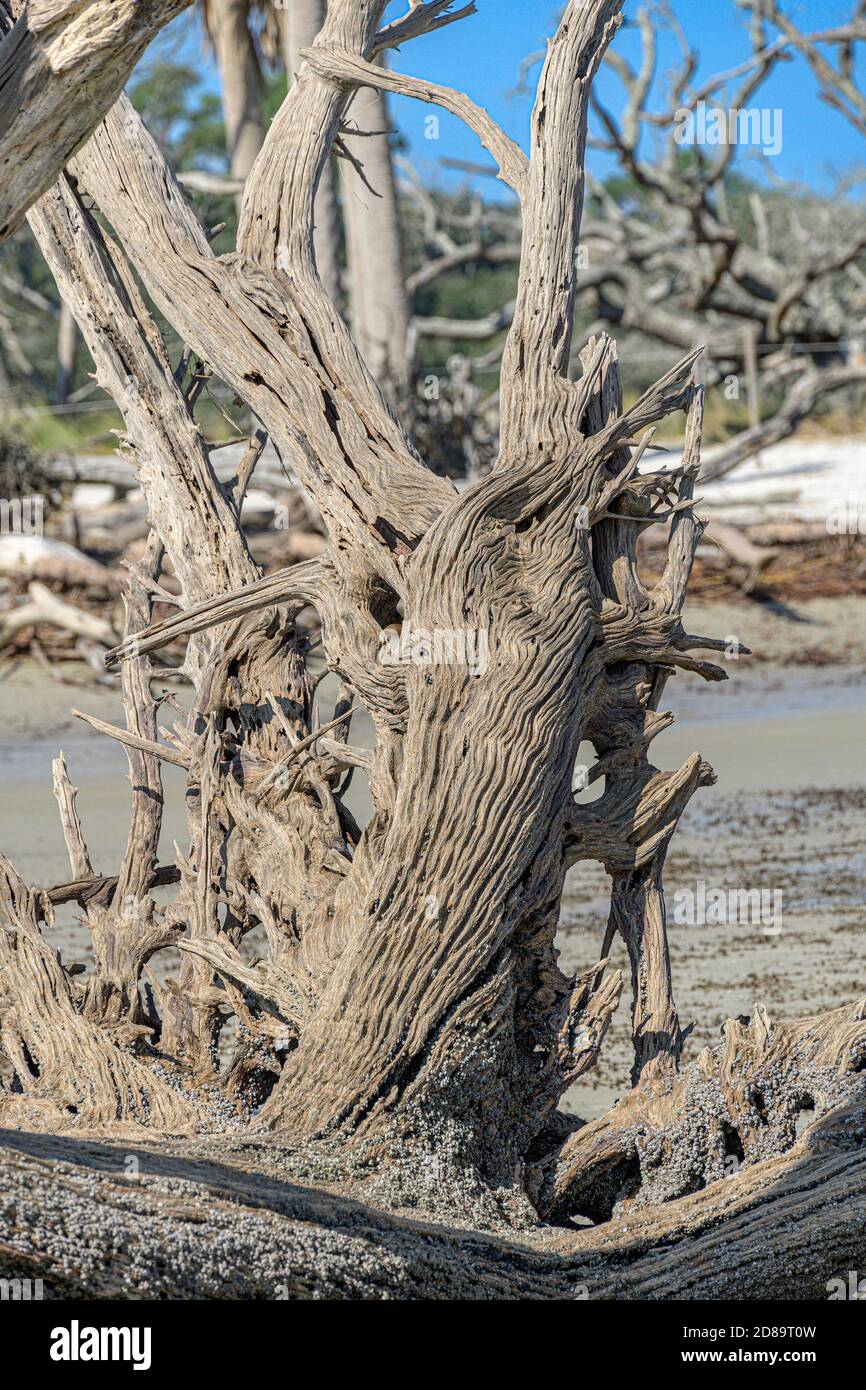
(62, 65)
(410, 1020)
(683, 265)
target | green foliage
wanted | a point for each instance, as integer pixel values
(88, 429)
(275, 94)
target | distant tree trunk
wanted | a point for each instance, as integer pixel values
(242, 85)
(301, 22)
(67, 351)
(378, 302)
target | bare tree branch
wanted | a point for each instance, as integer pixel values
(62, 65)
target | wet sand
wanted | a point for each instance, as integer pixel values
(787, 816)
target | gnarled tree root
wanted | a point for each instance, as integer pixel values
(59, 1059)
(736, 1105)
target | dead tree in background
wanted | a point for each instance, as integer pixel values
(227, 23)
(246, 36)
(722, 277)
(379, 310)
(681, 264)
(377, 297)
(782, 277)
(67, 351)
(669, 261)
(410, 1019)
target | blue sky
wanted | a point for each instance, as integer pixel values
(483, 54)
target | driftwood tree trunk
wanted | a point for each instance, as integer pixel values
(410, 1021)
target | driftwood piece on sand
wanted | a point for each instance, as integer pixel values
(56, 562)
(780, 1231)
(44, 607)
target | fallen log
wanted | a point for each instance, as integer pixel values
(55, 562)
(734, 541)
(119, 473)
(786, 532)
(263, 1231)
(44, 607)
